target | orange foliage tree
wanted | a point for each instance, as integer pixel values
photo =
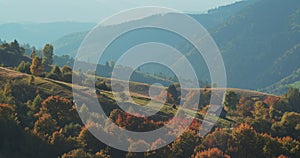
(36, 67)
(213, 152)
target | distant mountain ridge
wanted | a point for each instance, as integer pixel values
(258, 40)
(259, 44)
(37, 34)
(68, 44)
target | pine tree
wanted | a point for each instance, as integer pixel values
(47, 54)
(231, 99)
(33, 54)
(24, 67)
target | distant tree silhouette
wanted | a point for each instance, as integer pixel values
(33, 54)
(172, 95)
(47, 54)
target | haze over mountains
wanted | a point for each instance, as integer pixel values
(37, 34)
(259, 41)
(260, 44)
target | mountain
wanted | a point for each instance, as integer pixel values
(68, 44)
(260, 45)
(215, 17)
(38, 34)
(259, 41)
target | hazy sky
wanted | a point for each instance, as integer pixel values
(89, 10)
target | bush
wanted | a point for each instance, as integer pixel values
(67, 77)
(53, 76)
(24, 67)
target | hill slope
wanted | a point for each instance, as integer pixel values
(65, 89)
(260, 43)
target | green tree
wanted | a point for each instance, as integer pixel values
(289, 147)
(6, 94)
(60, 142)
(47, 54)
(172, 94)
(33, 54)
(67, 73)
(260, 111)
(278, 108)
(72, 129)
(270, 145)
(56, 70)
(37, 103)
(185, 144)
(15, 47)
(92, 143)
(66, 69)
(293, 99)
(55, 73)
(288, 125)
(231, 99)
(24, 67)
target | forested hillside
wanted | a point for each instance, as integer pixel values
(44, 114)
(38, 117)
(260, 43)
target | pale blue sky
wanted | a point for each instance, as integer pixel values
(89, 10)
